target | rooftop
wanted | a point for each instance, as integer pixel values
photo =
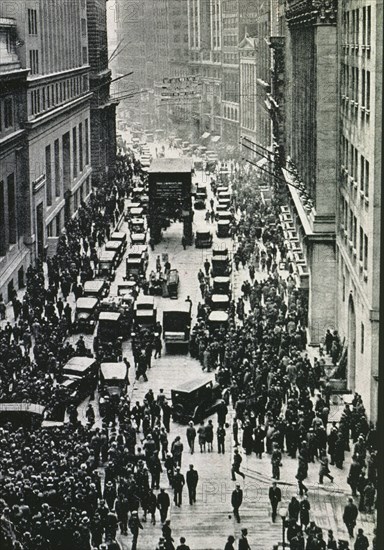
(166, 165)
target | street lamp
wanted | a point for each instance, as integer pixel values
(283, 515)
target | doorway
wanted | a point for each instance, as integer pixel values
(351, 344)
(40, 230)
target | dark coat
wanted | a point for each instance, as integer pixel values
(237, 498)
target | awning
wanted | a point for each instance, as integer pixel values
(205, 135)
(215, 139)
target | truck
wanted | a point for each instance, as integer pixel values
(177, 323)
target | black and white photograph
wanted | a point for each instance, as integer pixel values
(190, 257)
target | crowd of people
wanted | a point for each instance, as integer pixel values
(76, 486)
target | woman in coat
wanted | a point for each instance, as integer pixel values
(247, 438)
(304, 511)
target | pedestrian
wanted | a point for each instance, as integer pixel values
(274, 498)
(191, 436)
(276, 461)
(236, 463)
(304, 511)
(207, 267)
(184, 242)
(230, 542)
(192, 478)
(121, 509)
(220, 434)
(236, 501)
(324, 469)
(163, 503)
(182, 545)
(349, 516)
(361, 542)
(178, 484)
(201, 433)
(134, 526)
(209, 435)
(177, 450)
(243, 541)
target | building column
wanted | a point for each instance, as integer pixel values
(322, 289)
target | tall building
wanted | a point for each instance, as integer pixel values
(359, 162)
(15, 220)
(248, 84)
(230, 72)
(103, 108)
(52, 44)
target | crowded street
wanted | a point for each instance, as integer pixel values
(269, 412)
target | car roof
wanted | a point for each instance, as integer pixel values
(221, 280)
(220, 258)
(220, 316)
(114, 370)
(86, 303)
(219, 298)
(177, 306)
(192, 385)
(109, 316)
(112, 245)
(95, 285)
(118, 235)
(80, 363)
(107, 255)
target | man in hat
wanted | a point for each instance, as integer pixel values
(182, 545)
(163, 504)
(274, 498)
(191, 436)
(178, 484)
(236, 501)
(243, 541)
(192, 480)
(237, 460)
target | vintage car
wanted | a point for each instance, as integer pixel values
(108, 335)
(131, 205)
(108, 262)
(223, 229)
(85, 315)
(195, 400)
(226, 215)
(145, 312)
(120, 236)
(220, 208)
(137, 225)
(224, 202)
(203, 239)
(222, 285)
(176, 323)
(218, 319)
(138, 238)
(221, 266)
(113, 379)
(117, 247)
(202, 188)
(219, 302)
(97, 288)
(198, 164)
(199, 203)
(128, 290)
(220, 250)
(173, 283)
(81, 374)
(138, 211)
(135, 264)
(122, 305)
(223, 193)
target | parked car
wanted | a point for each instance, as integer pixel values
(79, 376)
(97, 288)
(176, 323)
(203, 239)
(85, 315)
(173, 283)
(195, 400)
(113, 379)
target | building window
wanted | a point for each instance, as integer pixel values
(368, 26)
(12, 215)
(362, 337)
(81, 160)
(32, 21)
(343, 288)
(365, 252)
(361, 245)
(354, 232)
(86, 142)
(8, 112)
(48, 175)
(83, 26)
(366, 184)
(50, 230)
(58, 224)
(368, 91)
(34, 61)
(57, 168)
(74, 151)
(85, 55)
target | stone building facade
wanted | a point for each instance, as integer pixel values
(53, 46)
(359, 165)
(15, 223)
